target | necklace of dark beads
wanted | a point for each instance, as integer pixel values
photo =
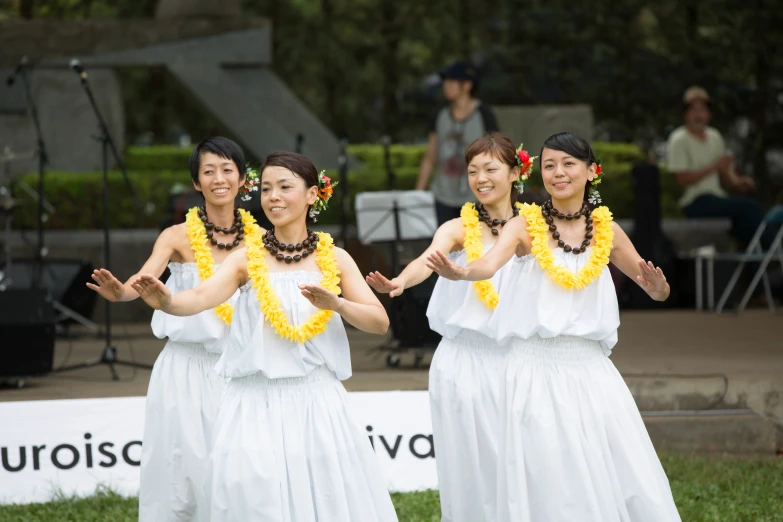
(549, 212)
(237, 228)
(491, 223)
(303, 249)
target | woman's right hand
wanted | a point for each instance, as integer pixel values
(153, 291)
(380, 284)
(108, 286)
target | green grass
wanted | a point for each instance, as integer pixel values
(705, 489)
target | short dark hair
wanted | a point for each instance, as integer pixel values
(296, 163)
(222, 147)
(573, 145)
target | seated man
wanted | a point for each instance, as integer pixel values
(697, 156)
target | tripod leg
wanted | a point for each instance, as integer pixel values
(113, 371)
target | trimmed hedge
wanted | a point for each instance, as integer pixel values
(157, 158)
(154, 171)
(78, 199)
(170, 157)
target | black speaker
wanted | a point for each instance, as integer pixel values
(409, 316)
(27, 329)
(64, 279)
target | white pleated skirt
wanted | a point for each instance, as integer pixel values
(573, 445)
(182, 403)
(464, 390)
(288, 450)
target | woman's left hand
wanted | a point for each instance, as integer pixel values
(442, 265)
(651, 278)
(320, 297)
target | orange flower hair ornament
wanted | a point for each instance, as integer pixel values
(325, 191)
(525, 164)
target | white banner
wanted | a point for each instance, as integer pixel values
(74, 446)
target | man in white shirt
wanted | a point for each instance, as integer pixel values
(697, 156)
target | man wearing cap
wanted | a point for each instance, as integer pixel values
(698, 158)
(464, 119)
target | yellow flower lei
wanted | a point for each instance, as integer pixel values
(474, 250)
(599, 256)
(258, 271)
(204, 261)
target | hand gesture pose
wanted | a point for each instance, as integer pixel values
(442, 265)
(651, 278)
(152, 291)
(394, 287)
(320, 297)
(108, 286)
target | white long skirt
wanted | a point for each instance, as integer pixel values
(574, 446)
(464, 388)
(182, 403)
(288, 450)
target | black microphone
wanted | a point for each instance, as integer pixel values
(77, 66)
(12, 79)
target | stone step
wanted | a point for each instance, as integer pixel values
(738, 432)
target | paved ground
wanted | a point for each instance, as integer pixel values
(670, 359)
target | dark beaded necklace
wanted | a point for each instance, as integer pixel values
(236, 228)
(491, 223)
(549, 212)
(276, 248)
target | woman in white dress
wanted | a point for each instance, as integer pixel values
(573, 445)
(184, 394)
(468, 365)
(286, 446)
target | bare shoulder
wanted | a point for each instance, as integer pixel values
(619, 233)
(175, 236)
(452, 226)
(453, 229)
(343, 258)
(237, 257)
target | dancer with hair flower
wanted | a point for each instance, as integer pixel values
(184, 394)
(572, 442)
(468, 364)
(286, 446)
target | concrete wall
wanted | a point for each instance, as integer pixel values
(68, 123)
(533, 124)
(43, 39)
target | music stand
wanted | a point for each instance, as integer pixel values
(389, 217)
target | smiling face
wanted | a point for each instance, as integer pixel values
(218, 179)
(285, 196)
(564, 176)
(490, 179)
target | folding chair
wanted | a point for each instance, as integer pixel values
(754, 253)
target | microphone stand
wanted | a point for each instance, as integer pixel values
(43, 205)
(109, 354)
(43, 160)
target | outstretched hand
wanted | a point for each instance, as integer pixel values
(108, 286)
(320, 297)
(152, 291)
(651, 278)
(380, 284)
(441, 265)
